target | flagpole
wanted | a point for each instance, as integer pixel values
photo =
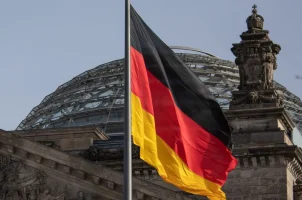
(127, 112)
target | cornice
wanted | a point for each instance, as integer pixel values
(94, 131)
(270, 156)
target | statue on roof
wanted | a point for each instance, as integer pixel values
(256, 55)
(256, 59)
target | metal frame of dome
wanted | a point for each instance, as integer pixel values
(191, 49)
(95, 97)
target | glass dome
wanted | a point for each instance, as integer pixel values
(96, 97)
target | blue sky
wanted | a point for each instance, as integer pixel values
(43, 44)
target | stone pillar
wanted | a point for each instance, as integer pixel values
(262, 129)
(257, 107)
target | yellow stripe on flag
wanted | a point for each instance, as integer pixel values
(157, 153)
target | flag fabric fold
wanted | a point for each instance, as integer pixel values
(177, 123)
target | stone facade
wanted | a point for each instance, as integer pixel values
(264, 173)
(33, 171)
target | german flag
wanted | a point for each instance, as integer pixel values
(177, 123)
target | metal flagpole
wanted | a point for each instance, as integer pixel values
(127, 117)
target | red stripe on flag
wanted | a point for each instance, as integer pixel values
(202, 152)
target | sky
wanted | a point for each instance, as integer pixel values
(44, 44)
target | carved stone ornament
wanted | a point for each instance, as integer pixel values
(18, 181)
(253, 97)
(255, 20)
(256, 55)
(21, 182)
(95, 153)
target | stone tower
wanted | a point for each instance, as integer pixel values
(269, 164)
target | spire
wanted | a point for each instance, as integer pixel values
(255, 21)
(254, 8)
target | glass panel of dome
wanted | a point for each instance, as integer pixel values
(101, 88)
(97, 119)
(113, 82)
(216, 79)
(200, 65)
(92, 105)
(67, 110)
(119, 101)
(56, 125)
(203, 78)
(87, 96)
(105, 104)
(109, 92)
(211, 89)
(57, 115)
(81, 109)
(80, 91)
(39, 120)
(65, 100)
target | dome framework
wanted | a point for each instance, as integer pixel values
(96, 97)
